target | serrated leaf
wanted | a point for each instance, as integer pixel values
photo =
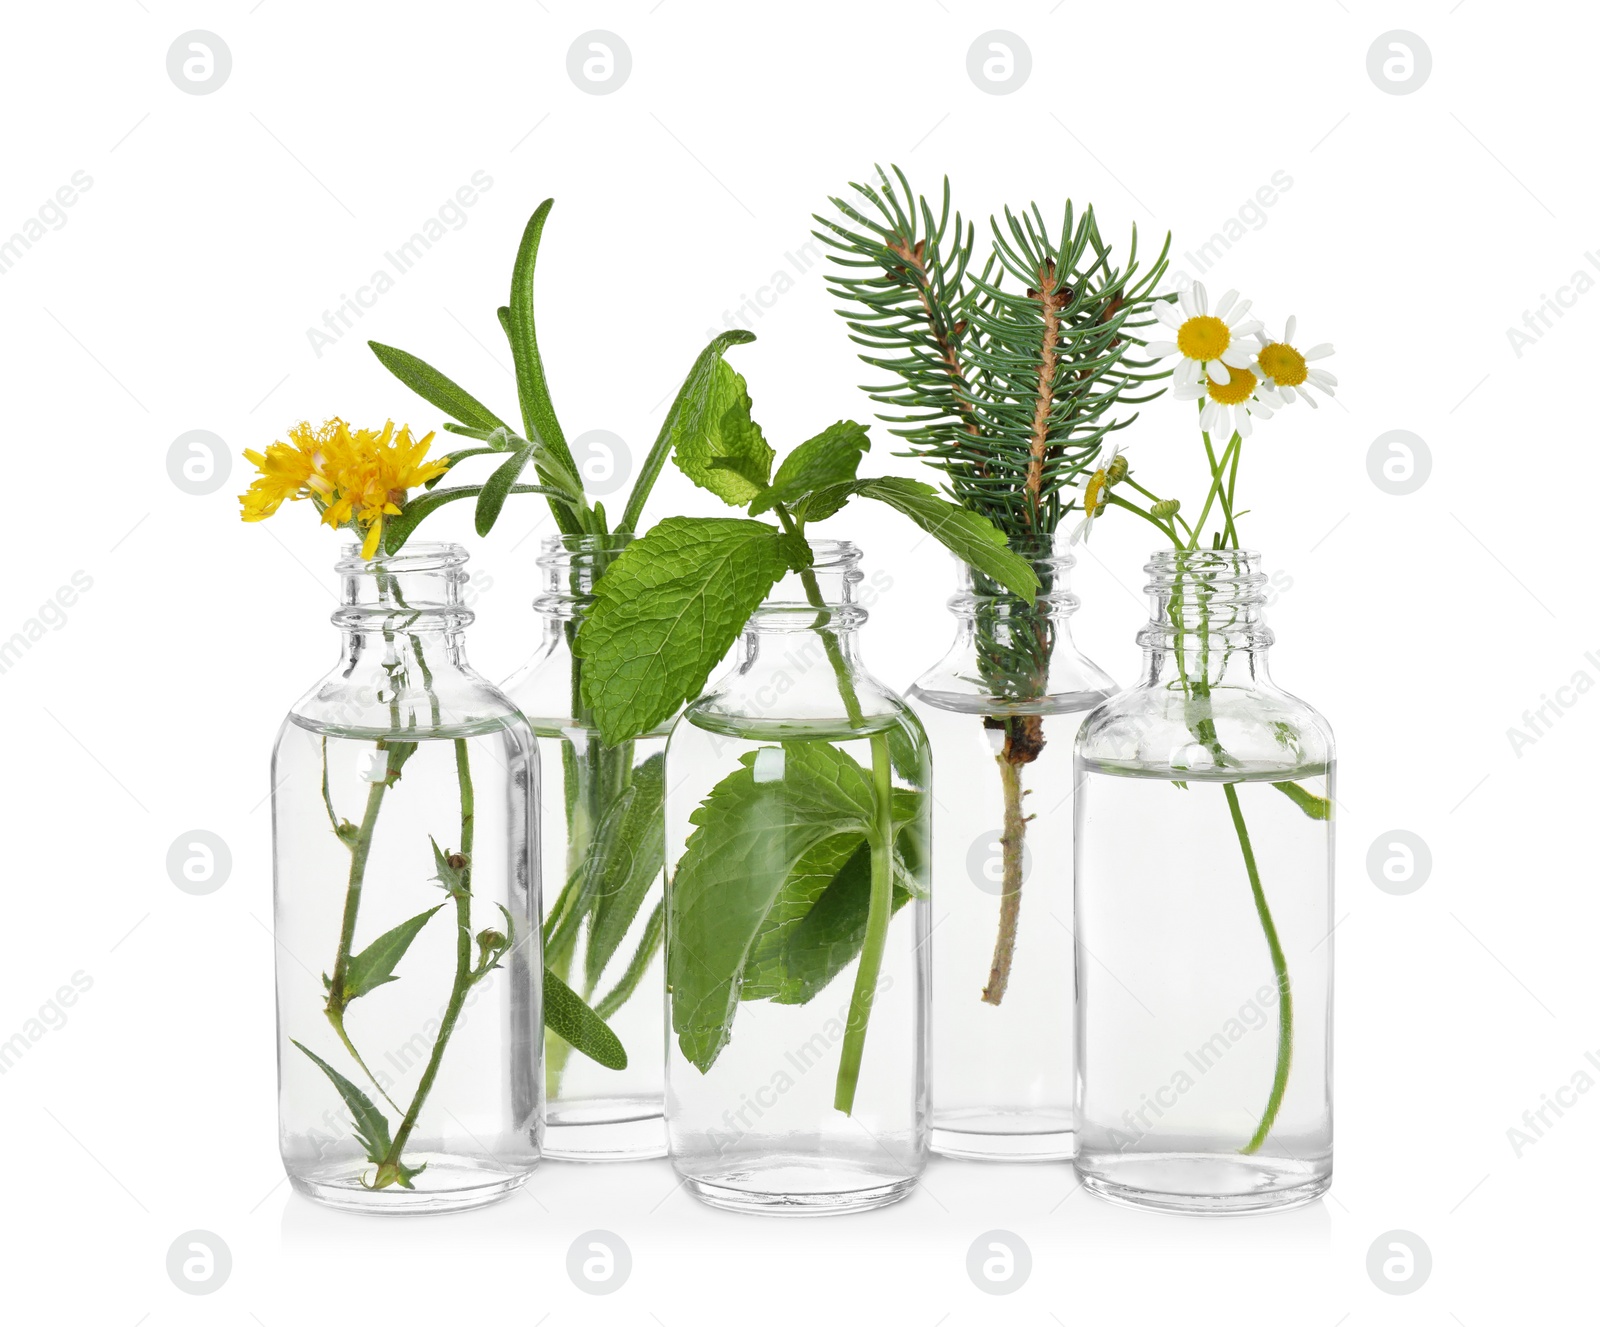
(434, 388)
(627, 859)
(829, 458)
(374, 966)
(823, 503)
(372, 1128)
(666, 612)
(751, 831)
(685, 416)
(724, 431)
(579, 1026)
(971, 537)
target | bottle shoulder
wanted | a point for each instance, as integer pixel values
(373, 701)
(1166, 727)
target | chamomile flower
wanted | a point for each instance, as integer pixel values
(1230, 406)
(1288, 371)
(1209, 341)
(1097, 492)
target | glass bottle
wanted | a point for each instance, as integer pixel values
(406, 899)
(602, 864)
(1001, 711)
(797, 916)
(1205, 913)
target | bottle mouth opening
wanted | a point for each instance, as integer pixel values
(414, 558)
(1231, 571)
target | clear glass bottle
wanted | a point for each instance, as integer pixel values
(602, 860)
(1205, 913)
(797, 917)
(1001, 711)
(406, 899)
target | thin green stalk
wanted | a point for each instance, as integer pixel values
(360, 850)
(390, 1170)
(879, 906)
(1280, 969)
(1216, 485)
(880, 901)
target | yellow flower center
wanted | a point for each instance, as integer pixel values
(1285, 365)
(1094, 494)
(1203, 337)
(1236, 391)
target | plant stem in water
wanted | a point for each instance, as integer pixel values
(391, 1171)
(1280, 969)
(1013, 828)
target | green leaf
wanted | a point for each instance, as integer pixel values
(434, 388)
(374, 966)
(827, 459)
(371, 1126)
(649, 942)
(498, 488)
(765, 972)
(968, 535)
(538, 413)
(666, 612)
(825, 502)
(723, 431)
(751, 832)
(687, 416)
(627, 859)
(398, 529)
(574, 1022)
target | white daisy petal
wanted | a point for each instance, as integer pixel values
(1306, 396)
(1322, 377)
(1170, 315)
(1241, 421)
(1246, 329)
(1200, 297)
(1208, 417)
(1239, 311)
(1225, 303)
(1320, 352)
(1190, 300)
(1237, 356)
(1288, 328)
(1217, 371)
(1189, 391)
(1162, 349)
(1187, 373)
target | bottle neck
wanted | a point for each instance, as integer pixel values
(1207, 625)
(404, 611)
(1013, 654)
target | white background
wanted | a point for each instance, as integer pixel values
(218, 228)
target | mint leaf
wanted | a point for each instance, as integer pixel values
(751, 831)
(666, 611)
(579, 1026)
(722, 430)
(687, 416)
(965, 533)
(829, 458)
(374, 966)
(372, 1128)
(626, 860)
(810, 876)
(825, 502)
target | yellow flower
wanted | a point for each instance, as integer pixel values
(355, 478)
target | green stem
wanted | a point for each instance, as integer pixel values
(1216, 485)
(390, 1170)
(880, 901)
(1280, 970)
(879, 906)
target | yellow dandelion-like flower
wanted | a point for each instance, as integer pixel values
(355, 477)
